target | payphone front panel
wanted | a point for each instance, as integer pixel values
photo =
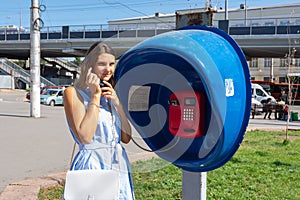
(186, 114)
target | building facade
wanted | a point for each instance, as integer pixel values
(265, 69)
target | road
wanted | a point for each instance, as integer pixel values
(34, 147)
(31, 147)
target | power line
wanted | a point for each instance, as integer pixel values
(116, 4)
(106, 5)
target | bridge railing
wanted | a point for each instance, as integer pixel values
(264, 26)
(255, 26)
(17, 71)
(92, 31)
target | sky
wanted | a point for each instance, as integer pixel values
(88, 12)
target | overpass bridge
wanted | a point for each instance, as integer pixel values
(72, 41)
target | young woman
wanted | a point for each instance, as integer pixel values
(96, 118)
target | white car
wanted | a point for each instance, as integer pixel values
(260, 94)
(52, 97)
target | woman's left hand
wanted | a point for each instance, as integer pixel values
(109, 92)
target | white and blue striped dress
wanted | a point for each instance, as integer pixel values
(101, 152)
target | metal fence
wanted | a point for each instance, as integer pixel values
(91, 31)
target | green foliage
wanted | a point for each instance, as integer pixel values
(164, 183)
(77, 61)
(54, 193)
(21, 63)
(263, 168)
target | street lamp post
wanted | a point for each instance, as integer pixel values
(246, 12)
(35, 52)
(226, 9)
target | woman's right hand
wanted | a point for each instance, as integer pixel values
(93, 82)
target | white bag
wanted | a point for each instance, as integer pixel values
(92, 185)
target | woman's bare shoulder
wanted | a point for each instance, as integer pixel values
(73, 100)
(70, 93)
(69, 90)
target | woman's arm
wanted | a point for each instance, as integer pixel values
(83, 122)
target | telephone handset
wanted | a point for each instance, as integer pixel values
(186, 114)
(102, 84)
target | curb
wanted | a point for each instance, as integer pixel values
(29, 189)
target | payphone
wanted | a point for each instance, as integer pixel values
(186, 114)
(188, 95)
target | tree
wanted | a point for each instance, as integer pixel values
(289, 58)
(77, 61)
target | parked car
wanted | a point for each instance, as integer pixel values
(43, 90)
(260, 94)
(52, 97)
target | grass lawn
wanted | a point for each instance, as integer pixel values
(265, 167)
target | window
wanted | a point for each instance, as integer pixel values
(281, 79)
(267, 78)
(284, 22)
(254, 62)
(260, 93)
(255, 24)
(269, 23)
(268, 62)
(297, 62)
(283, 62)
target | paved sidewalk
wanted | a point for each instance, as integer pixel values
(273, 124)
